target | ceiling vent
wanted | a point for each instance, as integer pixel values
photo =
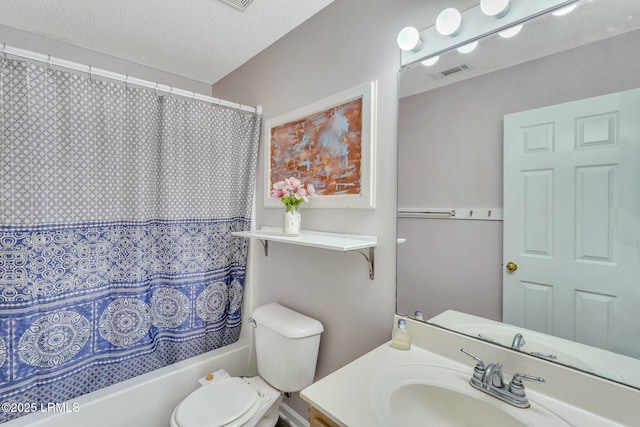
(450, 71)
(238, 4)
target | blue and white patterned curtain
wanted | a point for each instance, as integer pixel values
(116, 208)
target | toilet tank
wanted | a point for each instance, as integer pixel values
(287, 345)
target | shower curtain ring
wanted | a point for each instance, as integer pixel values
(4, 50)
(155, 90)
(90, 72)
(49, 60)
(126, 81)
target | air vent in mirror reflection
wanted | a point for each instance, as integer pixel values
(450, 71)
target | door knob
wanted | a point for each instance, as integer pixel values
(512, 266)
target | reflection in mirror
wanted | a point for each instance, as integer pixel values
(586, 358)
(451, 136)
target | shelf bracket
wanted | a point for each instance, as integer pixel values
(265, 245)
(370, 261)
(317, 239)
(369, 258)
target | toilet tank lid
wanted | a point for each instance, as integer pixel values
(286, 322)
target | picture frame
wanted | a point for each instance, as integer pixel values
(331, 144)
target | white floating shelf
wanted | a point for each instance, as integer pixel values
(316, 239)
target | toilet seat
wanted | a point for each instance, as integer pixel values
(235, 403)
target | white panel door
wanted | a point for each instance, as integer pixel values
(572, 221)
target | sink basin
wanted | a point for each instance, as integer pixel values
(421, 394)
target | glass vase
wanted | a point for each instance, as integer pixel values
(292, 219)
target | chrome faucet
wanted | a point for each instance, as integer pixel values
(518, 341)
(490, 380)
(492, 376)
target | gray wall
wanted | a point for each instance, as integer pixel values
(348, 43)
(450, 147)
(325, 56)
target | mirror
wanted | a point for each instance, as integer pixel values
(450, 159)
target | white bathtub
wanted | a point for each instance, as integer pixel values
(147, 400)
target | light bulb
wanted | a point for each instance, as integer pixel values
(468, 48)
(449, 22)
(497, 8)
(409, 39)
(430, 61)
(565, 10)
(510, 32)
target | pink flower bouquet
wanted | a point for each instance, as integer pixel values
(292, 192)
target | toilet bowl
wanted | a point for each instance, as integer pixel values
(229, 402)
(287, 345)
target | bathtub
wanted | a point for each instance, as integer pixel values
(146, 400)
(149, 399)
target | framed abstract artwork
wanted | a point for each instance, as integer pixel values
(330, 144)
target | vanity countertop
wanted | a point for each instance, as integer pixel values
(347, 395)
(344, 395)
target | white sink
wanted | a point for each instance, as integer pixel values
(425, 386)
(422, 394)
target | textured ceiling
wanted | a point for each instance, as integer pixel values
(203, 40)
(593, 20)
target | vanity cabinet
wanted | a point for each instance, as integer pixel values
(318, 419)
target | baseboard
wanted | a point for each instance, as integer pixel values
(291, 417)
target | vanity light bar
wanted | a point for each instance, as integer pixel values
(475, 25)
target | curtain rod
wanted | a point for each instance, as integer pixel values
(92, 71)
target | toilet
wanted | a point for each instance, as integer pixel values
(287, 345)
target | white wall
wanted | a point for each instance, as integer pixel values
(451, 142)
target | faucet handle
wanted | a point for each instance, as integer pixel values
(473, 356)
(545, 355)
(478, 371)
(516, 387)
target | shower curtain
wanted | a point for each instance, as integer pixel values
(116, 208)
